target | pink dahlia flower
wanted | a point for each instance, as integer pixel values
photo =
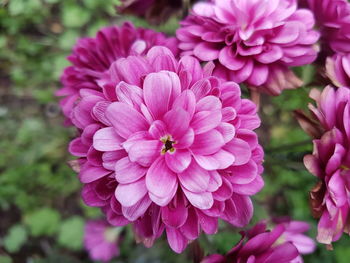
(338, 69)
(168, 147)
(283, 244)
(333, 20)
(330, 162)
(92, 57)
(101, 240)
(254, 42)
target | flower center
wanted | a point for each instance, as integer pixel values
(168, 144)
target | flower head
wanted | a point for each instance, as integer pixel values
(330, 162)
(333, 20)
(168, 147)
(251, 41)
(283, 244)
(92, 57)
(101, 240)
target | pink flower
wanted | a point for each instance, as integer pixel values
(254, 42)
(92, 57)
(101, 240)
(338, 69)
(330, 162)
(283, 244)
(168, 147)
(333, 19)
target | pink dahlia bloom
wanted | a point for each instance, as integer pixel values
(333, 20)
(101, 240)
(92, 57)
(283, 244)
(338, 69)
(166, 146)
(330, 162)
(254, 42)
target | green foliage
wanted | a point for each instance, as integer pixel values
(15, 238)
(44, 221)
(71, 233)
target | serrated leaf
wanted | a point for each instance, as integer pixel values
(44, 221)
(71, 233)
(15, 238)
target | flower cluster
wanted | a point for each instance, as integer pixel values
(285, 243)
(330, 162)
(166, 146)
(254, 42)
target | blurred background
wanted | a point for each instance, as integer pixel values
(42, 216)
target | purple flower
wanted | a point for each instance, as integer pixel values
(254, 42)
(92, 57)
(283, 244)
(330, 162)
(101, 240)
(338, 69)
(168, 147)
(333, 19)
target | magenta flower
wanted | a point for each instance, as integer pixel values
(333, 19)
(168, 147)
(330, 162)
(254, 42)
(101, 240)
(338, 69)
(92, 57)
(283, 244)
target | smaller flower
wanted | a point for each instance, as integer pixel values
(338, 69)
(330, 162)
(283, 244)
(101, 240)
(333, 20)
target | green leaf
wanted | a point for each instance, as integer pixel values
(71, 233)
(16, 7)
(15, 238)
(44, 221)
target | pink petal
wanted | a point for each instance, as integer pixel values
(206, 51)
(91, 173)
(186, 101)
(176, 240)
(244, 174)
(204, 121)
(145, 152)
(207, 143)
(219, 160)
(161, 182)
(157, 91)
(178, 161)
(229, 60)
(240, 150)
(191, 227)
(107, 139)
(77, 148)
(125, 119)
(250, 188)
(177, 121)
(194, 178)
(187, 140)
(129, 194)
(238, 210)
(129, 94)
(128, 172)
(134, 212)
(175, 215)
(200, 200)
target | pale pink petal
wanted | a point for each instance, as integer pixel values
(178, 161)
(107, 139)
(128, 172)
(129, 194)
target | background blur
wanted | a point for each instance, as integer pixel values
(41, 214)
